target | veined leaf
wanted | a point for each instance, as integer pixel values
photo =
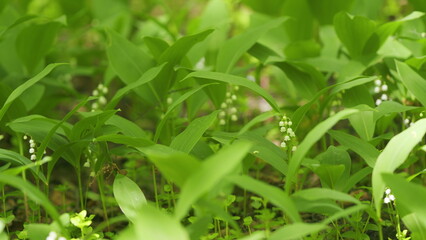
(129, 196)
(413, 81)
(395, 154)
(235, 80)
(186, 140)
(211, 171)
(313, 136)
(22, 88)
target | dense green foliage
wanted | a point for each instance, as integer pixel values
(219, 119)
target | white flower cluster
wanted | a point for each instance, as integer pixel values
(289, 135)
(100, 92)
(388, 196)
(228, 109)
(32, 149)
(54, 236)
(408, 121)
(380, 88)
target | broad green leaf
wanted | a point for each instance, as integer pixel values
(186, 140)
(127, 127)
(313, 136)
(145, 78)
(412, 197)
(18, 160)
(22, 88)
(413, 81)
(234, 48)
(178, 50)
(88, 126)
(125, 140)
(329, 174)
(34, 194)
(267, 151)
(176, 167)
(258, 119)
(301, 111)
(395, 154)
(363, 148)
(235, 80)
(354, 32)
(304, 77)
(313, 194)
(273, 194)
(129, 196)
(211, 171)
(387, 107)
(296, 231)
(34, 42)
(152, 223)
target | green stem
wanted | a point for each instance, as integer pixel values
(154, 179)
(80, 188)
(101, 192)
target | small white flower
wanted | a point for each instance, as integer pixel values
(62, 238)
(387, 191)
(233, 110)
(228, 94)
(283, 129)
(284, 118)
(281, 123)
(95, 105)
(386, 200)
(105, 90)
(289, 130)
(222, 122)
(31, 150)
(378, 102)
(376, 89)
(283, 144)
(384, 87)
(406, 121)
(223, 105)
(229, 101)
(222, 114)
(294, 148)
(421, 115)
(377, 82)
(31, 141)
(169, 100)
(286, 138)
(102, 100)
(95, 92)
(292, 134)
(33, 157)
(391, 197)
(100, 86)
(32, 145)
(234, 118)
(423, 34)
(289, 123)
(234, 97)
(25, 137)
(86, 164)
(236, 88)
(384, 97)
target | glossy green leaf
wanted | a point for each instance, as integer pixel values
(186, 140)
(129, 196)
(34, 42)
(395, 154)
(22, 88)
(413, 81)
(273, 194)
(234, 48)
(151, 223)
(313, 136)
(363, 148)
(296, 231)
(211, 171)
(235, 80)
